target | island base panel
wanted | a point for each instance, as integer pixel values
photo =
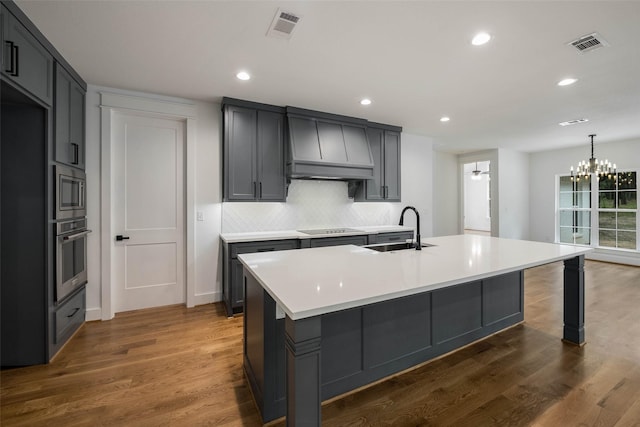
(351, 348)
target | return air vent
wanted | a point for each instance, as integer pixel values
(589, 42)
(283, 24)
(573, 122)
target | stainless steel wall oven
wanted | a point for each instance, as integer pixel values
(71, 254)
(70, 193)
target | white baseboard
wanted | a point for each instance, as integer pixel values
(208, 298)
(93, 314)
(618, 257)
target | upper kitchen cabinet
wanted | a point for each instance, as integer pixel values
(24, 60)
(385, 146)
(327, 146)
(253, 152)
(70, 119)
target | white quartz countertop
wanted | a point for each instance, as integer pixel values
(293, 234)
(311, 282)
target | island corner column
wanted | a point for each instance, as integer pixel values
(573, 331)
(302, 344)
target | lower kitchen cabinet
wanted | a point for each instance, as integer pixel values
(336, 241)
(233, 286)
(69, 316)
(393, 237)
(232, 278)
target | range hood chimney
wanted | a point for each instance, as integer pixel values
(327, 146)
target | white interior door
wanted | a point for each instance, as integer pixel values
(148, 212)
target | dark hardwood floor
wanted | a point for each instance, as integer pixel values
(174, 366)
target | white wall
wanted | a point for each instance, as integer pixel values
(513, 189)
(416, 190)
(208, 190)
(417, 182)
(546, 165)
(446, 205)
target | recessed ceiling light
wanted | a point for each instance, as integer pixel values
(444, 119)
(243, 75)
(365, 101)
(567, 82)
(480, 39)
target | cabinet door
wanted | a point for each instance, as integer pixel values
(271, 179)
(240, 153)
(26, 62)
(392, 166)
(62, 111)
(237, 284)
(5, 58)
(374, 187)
(76, 124)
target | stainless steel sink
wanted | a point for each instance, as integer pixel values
(389, 247)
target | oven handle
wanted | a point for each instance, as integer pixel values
(76, 236)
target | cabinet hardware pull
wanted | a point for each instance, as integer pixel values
(11, 64)
(266, 249)
(17, 62)
(120, 237)
(76, 155)
(261, 189)
(254, 189)
(73, 313)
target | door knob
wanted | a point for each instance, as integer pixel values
(120, 237)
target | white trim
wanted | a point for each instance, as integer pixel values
(208, 298)
(615, 256)
(109, 103)
(92, 314)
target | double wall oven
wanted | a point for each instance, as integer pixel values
(71, 230)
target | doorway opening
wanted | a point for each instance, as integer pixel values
(477, 198)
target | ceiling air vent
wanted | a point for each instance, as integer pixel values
(573, 122)
(283, 24)
(589, 42)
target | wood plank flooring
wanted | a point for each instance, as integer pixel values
(174, 366)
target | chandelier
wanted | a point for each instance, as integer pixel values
(602, 169)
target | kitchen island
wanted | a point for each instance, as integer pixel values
(321, 322)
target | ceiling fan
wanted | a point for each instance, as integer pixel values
(475, 174)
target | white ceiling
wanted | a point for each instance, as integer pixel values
(413, 59)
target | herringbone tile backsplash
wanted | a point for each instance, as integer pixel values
(310, 204)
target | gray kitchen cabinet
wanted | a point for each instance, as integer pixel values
(253, 152)
(392, 237)
(69, 120)
(360, 240)
(24, 60)
(233, 283)
(385, 147)
(69, 316)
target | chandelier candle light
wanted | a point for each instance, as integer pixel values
(602, 169)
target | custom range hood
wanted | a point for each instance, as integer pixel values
(327, 146)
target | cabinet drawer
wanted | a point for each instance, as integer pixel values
(337, 241)
(395, 237)
(69, 316)
(272, 245)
